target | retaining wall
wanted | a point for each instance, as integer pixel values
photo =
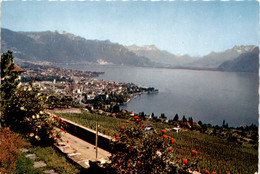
(88, 135)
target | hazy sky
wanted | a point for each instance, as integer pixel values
(194, 28)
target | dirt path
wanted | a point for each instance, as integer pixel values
(65, 110)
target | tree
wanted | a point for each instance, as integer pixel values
(142, 115)
(163, 115)
(176, 117)
(9, 78)
(116, 108)
(190, 120)
(184, 119)
(67, 100)
(53, 101)
(23, 107)
(223, 124)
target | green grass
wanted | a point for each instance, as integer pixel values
(217, 155)
(54, 160)
(25, 165)
(50, 156)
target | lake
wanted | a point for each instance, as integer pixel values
(209, 96)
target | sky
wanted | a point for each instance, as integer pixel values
(195, 28)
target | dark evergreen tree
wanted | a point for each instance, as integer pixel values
(184, 119)
(223, 124)
(190, 120)
(176, 117)
(163, 115)
(116, 108)
(141, 114)
(153, 115)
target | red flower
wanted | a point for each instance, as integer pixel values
(52, 132)
(139, 162)
(122, 128)
(119, 161)
(65, 132)
(117, 138)
(54, 136)
(164, 136)
(206, 172)
(62, 128)
(214, 172)
(172, 141)
(185, 161)
(68, 141)
(170, 149)
(193, 152)
(136, 117)
(127, 121)
(137, 121)
(142, 125)
(164, 131)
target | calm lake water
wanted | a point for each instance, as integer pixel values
(209, 96)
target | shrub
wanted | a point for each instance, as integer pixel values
(9, 148)
(137, 151)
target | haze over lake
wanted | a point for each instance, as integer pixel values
(209, 96)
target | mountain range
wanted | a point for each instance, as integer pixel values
(54, 47)
(67, 48)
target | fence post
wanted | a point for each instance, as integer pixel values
(96, 140)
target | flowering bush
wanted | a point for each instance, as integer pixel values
(22, 108)
(137, 151)
(25, 114)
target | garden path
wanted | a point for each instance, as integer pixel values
(81, 151)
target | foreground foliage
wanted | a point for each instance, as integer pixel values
(138, 151)
(22, 108)
(214, 154)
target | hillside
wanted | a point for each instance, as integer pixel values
(67, 48)
(246, 62)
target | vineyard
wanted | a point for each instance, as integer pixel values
(212, 153)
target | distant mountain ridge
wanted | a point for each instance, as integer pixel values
(53, 47)
(215, 59)
(220, 61)
(246, 62)
(67, 48)
(161, 57)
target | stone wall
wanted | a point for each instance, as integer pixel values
(88, 135)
